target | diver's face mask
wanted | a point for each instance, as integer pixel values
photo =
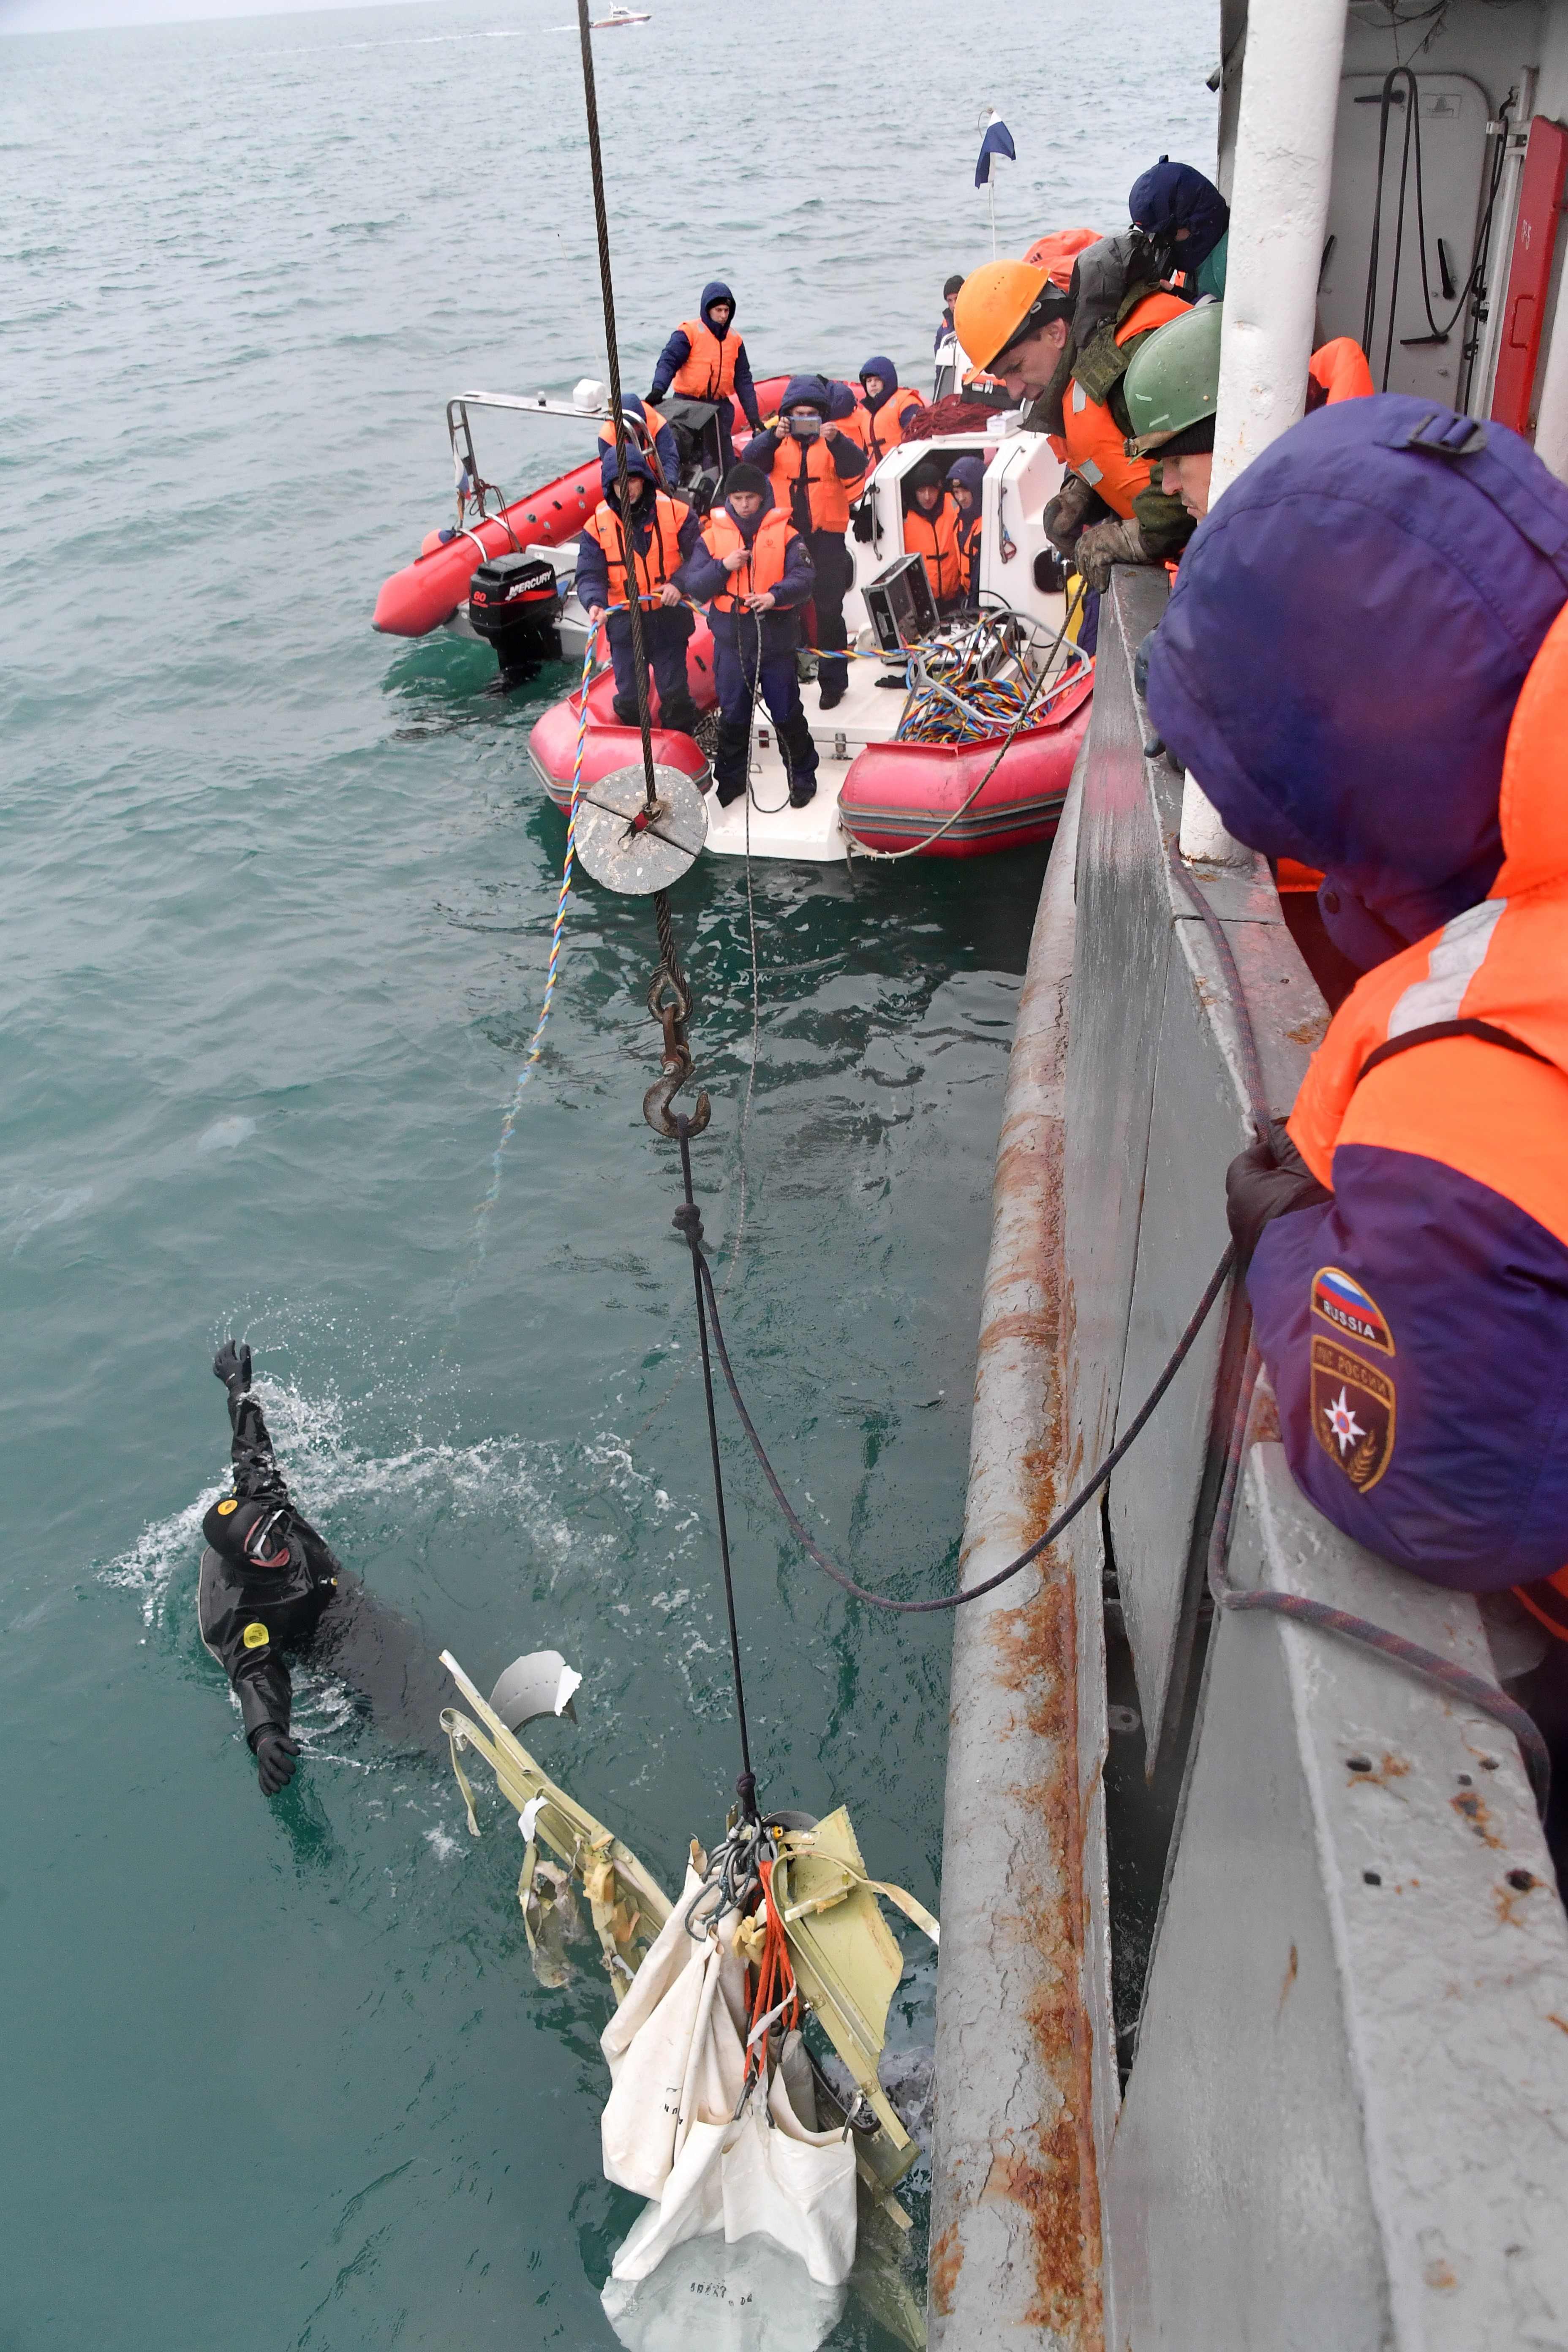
(264, 1543)
(805, 424)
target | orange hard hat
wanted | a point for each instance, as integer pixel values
(1055, 254)
(994, 305)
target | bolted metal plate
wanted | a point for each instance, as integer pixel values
(625, 853)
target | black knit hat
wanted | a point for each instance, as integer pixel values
(745, 477)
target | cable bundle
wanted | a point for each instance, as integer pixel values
(959, 695)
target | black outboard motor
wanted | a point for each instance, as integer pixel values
(695, 425)
(514, 605)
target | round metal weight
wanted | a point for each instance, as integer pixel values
(627, 847)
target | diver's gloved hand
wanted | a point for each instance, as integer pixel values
(1063, 516)
(275, 1754)
(231, 1365)
(1267, 1181)
(1103, 545)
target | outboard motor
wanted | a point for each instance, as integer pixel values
(695, 425)
(514, 605)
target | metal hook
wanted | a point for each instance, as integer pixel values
(656, 1102)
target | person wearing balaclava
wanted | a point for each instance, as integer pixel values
(814, 462)
(650, 533)
(1364, 664)
(1187, 223)
(706, 360)
(888, 407)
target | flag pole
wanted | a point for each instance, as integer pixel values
(991, 191)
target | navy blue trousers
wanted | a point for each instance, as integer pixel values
(736, 675)
(666, 629)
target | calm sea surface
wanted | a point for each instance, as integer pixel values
(275, 897)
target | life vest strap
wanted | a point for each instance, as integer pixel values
(1487, 1031)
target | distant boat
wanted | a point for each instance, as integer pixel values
(620, 15)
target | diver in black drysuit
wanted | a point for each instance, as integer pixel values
(270, 1586)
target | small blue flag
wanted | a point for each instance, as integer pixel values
(998, 141)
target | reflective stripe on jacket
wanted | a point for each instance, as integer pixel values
(709, 372)
(934, 539)
(1416, 1326)
(1092, 440)
(722, 535)
(654, 567)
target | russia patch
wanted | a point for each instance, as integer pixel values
(1353, 1412)
(1344, 1304)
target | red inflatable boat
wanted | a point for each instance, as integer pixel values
(553, 743)
(897, 796)
(428, 592)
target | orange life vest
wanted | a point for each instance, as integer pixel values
(654, 569)
(969, 556)
(1498, 1116)
(641, 436)
(722, 535)
(881, 430)
(934, 539)
(1093, 442)
(828, 494)
(1339, 371)
(709, 372)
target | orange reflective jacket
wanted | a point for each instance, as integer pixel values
(722, 535)
(1093, 442)
(709, 372)
(934, 539)
(812, 461)
(654, 569)
(1455, 1054)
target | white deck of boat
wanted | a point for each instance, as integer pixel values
(867, 714)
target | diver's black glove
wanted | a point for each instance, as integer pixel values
(231, 1365)
(275, 1754)
(1267, 1181)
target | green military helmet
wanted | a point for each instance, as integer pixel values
(1173, 381)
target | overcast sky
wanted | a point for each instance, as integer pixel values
(67, 15)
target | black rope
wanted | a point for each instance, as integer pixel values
(690, 1221)
(689, 1218)
(612, 348)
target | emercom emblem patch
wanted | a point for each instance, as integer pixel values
(1352, 1411)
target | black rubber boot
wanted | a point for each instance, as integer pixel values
(681, 718)
(800, 757)
(729, 757)
(626, 712)
(831, 692)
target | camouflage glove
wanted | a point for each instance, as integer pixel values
(1103, 545)
(1267, 1181)
(1064, 514)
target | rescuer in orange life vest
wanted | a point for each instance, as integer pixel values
(661, 531)
(889, 405)
(1365, 659)
(750, 569)
(930, 531)
(966, 480)
(814, 463)
(1060, 338)
(705, 360)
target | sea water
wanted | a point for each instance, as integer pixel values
(275, 897)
